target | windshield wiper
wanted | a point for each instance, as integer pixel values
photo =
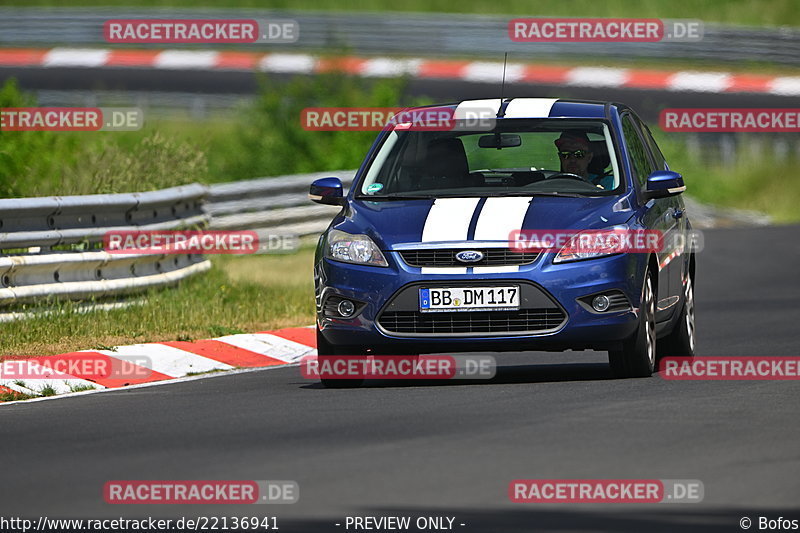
(543, 193)
(399, 196)
(395, 196)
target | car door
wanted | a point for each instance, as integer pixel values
(657, 213)
(677, 210)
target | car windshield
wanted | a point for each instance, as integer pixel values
(519, 157)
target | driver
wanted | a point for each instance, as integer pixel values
(575, 154)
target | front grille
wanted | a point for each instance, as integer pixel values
(522, 321)
(447, 257)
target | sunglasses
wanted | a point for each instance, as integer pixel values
(577, 154)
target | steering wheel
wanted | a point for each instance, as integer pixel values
(568, 175)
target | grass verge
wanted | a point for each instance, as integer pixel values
(750, 181)
(239, 294)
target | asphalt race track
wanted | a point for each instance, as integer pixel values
(452, 448)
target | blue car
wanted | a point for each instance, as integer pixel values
(421, 258)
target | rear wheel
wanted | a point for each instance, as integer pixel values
(637, 358)
(326, 349)
(681, 341)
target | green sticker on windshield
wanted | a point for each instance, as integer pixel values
(375, 187)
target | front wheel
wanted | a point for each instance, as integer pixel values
(681, 341)
(326, 349)
(637, 359)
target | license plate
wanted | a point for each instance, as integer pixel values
(440, 299)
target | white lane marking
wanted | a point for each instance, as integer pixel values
(530, 107)
(597, 77)
(75, 57)
(383, 67)
(712, 82)
(492, 72)
(186, 59)
(269, 345)
(785, 85)
(301, 63)
(165, 359)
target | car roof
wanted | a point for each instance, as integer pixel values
(537, 107)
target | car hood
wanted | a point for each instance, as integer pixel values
(398, 223)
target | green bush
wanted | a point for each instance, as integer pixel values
(154, 162)
(270, 140)
(42, 163)
(28, 154)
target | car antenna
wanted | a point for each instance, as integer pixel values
(500, 113)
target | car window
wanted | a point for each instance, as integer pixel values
(640, 161)
(655, 151)
(519, 157)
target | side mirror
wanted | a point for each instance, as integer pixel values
(326, 191)
(664, 183)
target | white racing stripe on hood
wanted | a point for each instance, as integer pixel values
(448, 220)
(498, 218)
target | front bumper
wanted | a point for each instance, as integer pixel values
(378, 290)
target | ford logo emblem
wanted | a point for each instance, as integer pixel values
(469, 256)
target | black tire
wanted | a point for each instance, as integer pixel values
(324, 348)
(637, 359)
(683, 338)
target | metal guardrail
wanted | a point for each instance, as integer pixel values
(404, 33)
(274, 206)
(50, 244)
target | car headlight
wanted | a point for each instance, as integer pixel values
(589, 246)
(358, 249)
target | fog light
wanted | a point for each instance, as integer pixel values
(346, 308)
(599, 303)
